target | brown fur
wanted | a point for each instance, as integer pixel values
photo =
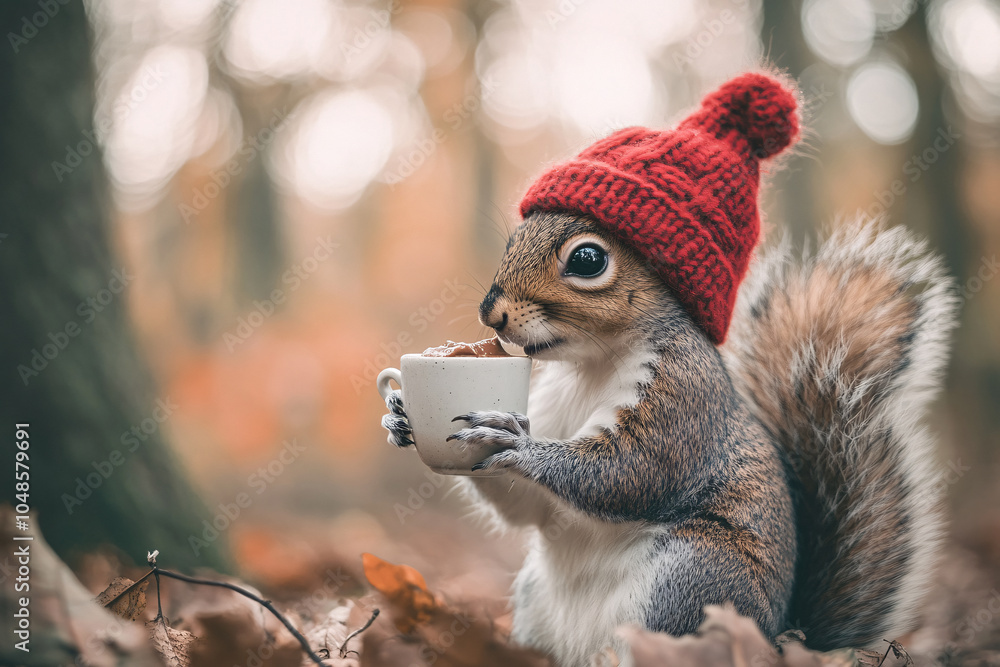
(528, 278)
(837, 356)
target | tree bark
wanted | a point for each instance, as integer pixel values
(101, 469)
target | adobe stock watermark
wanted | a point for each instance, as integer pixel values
(103, 640)
(968, 628)
(455, 116)
(418, 496)
(975, 623)
(711, 30)
(950, 475)
(309, 606)
(562, 12)
(258, 482)
(30, 25)
(75, 154)
(363, 36)
(59, 340)
(439, 645)
(221, 177)
(131, 440)
(326, 593)
(914, 168)
(293, 278)
(988, 269)
(419, 320)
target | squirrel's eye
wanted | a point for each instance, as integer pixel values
(587, 261)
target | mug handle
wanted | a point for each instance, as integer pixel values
(382, 382)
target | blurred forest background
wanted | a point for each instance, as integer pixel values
(295, 193)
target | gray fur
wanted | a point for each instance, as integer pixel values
(869, 506)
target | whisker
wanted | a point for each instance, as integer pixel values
(606, 349)
(482, 287)
(475, 288)
(502, 230)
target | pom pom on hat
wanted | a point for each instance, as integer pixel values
(685, 199)
(754, 106)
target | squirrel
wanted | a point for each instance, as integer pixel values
(702, 427)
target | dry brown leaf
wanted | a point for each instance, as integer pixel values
(724, 639)
(450, 638)
(436, 633)
(233, 630)
(404, 588)
(130, 605)
(66, 624)
(328, 634)
(172, 645)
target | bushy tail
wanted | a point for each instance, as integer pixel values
(838, 355)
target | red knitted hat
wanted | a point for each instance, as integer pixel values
(685, 198)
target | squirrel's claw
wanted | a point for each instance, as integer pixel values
(394, 401)
(485, 435)
(509, 458)
(508, 430)
(514, 422)
(396, 422)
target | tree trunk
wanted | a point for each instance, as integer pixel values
(101, 471)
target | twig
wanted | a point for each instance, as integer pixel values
(247, 594)
(343, 647)
(159, 607)
(884, 656)
(897, 652)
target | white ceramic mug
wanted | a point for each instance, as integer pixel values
(435, 390)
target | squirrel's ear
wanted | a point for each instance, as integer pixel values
(760, 108)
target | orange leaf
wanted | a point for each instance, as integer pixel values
(404, 588)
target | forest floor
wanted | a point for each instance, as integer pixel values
(441, 595)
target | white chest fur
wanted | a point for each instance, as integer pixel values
(583, 577)
(580, 582)
(570, 400)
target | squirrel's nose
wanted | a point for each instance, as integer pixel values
(498, 325)
(492, 313)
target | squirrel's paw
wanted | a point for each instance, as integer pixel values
(396, 422)
(496, 429)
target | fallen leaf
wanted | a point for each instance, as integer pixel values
(232, 629)
(404, 588)
(726, 639)
(434, 632)
(172, 645)
(67, 626)
(328, 634)
(132, 601)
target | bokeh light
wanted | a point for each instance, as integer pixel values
(186, 15)
(892, 14)
(839, 31)
(339, 145)
(154, 121)
(602, 85)
(965, 35)
(592, 70)
(267, 39)
(882, 99)
(970, 30)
